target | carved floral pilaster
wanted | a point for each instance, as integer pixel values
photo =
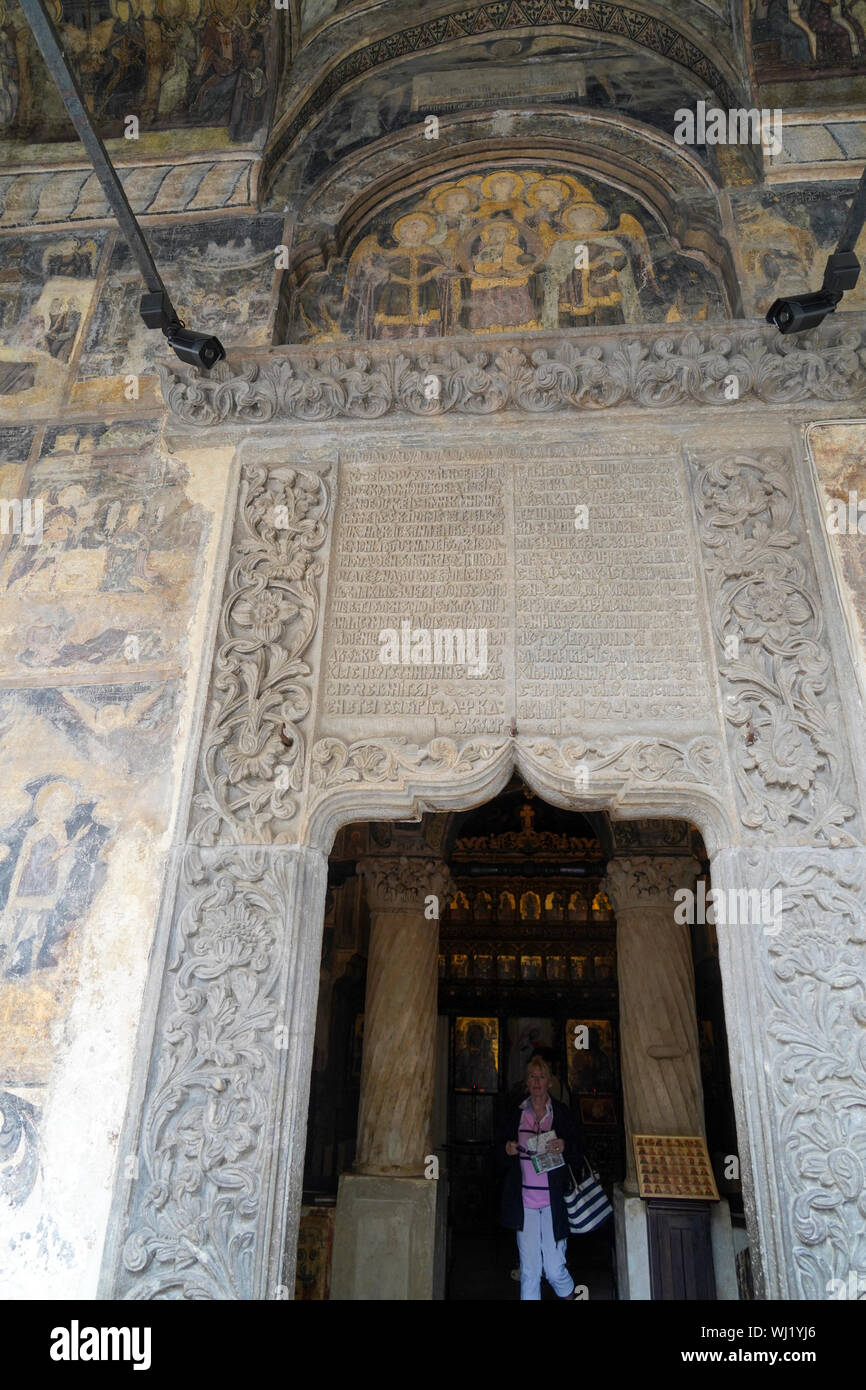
(789, 755)
(204, 1178)
(253, 754)
(796, 992)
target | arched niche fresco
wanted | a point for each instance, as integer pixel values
(507, 249)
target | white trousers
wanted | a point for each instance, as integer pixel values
(538, 1250)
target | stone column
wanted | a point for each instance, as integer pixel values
(385, 1234)
(395, 1124)
(661, 1074)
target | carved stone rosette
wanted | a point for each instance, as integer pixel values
(789, 754)
(253, 755)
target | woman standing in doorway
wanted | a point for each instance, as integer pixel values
(533, 1202)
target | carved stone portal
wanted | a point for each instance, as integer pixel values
(210, 1171)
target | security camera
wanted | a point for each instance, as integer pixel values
(796, 315)
(195, 348)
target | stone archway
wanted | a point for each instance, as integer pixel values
(218, 1106)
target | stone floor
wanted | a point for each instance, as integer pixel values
(480, 1267)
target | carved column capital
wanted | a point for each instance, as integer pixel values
(649, 880)
(400, 883)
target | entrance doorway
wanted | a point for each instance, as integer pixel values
(527, 964)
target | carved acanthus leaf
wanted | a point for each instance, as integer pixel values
(404, 882)
(648, 880)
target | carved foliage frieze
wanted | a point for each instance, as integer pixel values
(585, 371)
(789, 756)
(253, 755)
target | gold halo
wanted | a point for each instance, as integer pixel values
(600, 216)
(563, 186)
(439, 193)
(410, 217)
(499, 174)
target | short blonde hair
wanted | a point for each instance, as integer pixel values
(537, 1063)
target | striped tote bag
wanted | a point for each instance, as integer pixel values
(587, 1204)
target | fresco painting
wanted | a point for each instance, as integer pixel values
(785, 238)
(574, 71)
(92, 664)
(220, 276)
(498, 252)
(804, 40)
(169, 62)
(46, 286)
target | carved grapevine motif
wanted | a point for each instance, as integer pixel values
(391, 760)
(817, 986)
(584, 372)
(788, 758)
(642, 760)
(254, 751)
(205, 1129)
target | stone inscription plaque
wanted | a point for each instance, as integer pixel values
(420, 551)
(582, 624)
(607, 624)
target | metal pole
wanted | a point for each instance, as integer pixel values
(73, 100)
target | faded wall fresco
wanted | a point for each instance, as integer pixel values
(511, 249)
(786, 235)
(169, 62)
(96, 638)
(46, 287)
(61, 342)
(839, 454)
(810, 50)
(578, 71)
